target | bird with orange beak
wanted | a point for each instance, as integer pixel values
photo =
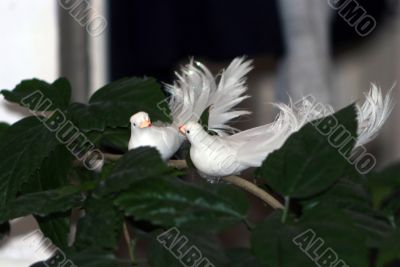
(219, 156)
(194, 91)
(165, 138)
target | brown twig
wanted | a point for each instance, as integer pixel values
(235, 180)
(254, 189)
(111, 157)
(239, 182)
(179, 164)
(128, 243)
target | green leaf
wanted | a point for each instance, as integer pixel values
(42, 203)
(23, 147)
(272, 243)
(108, 221)
(93, 257)
(204, 120)
(373, 224)
(391, 208)
(3, 128)
(136, 165)
(106, 170)
(169, 254)
(384, 183)
(56, 226)
(384, 186)
(388, 176)
(59, 93)
(86, 258)
(4, 230)
(351, 196)
(87, 117)
(159, 256)
(53, 174)
(240, 257)
(346, 194)
(116, 139)
(340, 232)
(389, 251)
(113, 104)
(87, 180)
(307, 163)
(204, 117)
(172, 202)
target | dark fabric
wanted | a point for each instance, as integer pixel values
(149, 37)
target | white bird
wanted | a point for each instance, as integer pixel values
(165, 138)
(193, 92)
(219, 156)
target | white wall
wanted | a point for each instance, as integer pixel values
(28, 49)
(28, 45)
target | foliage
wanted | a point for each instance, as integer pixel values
(357, 216)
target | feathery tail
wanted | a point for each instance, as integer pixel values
(190, 93)
(258, 142)
(230, 92)
(195, 90)
(255, 144)
(372, 114)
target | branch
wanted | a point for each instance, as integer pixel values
(254, 189)
(179, 164)
(128, 242)
(235, 180)
(111, 157)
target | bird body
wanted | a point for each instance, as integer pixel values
(166, 139)
(212, 155)
(217, 156)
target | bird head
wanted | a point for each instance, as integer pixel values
(140, 120)
(193, 131)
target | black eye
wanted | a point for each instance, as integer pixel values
(187, 131)
(134, 124)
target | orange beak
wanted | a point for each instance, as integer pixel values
(144, 124)
(182, 129)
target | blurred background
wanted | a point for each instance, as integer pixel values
(331, 49)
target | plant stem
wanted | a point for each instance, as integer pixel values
(128, 243)
(178, 164)
(111, 157)
(286, 209)
(392, 221)
(253, 189)
(250, 226)
(235, 180)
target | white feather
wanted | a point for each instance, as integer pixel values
(254, 145)
(230, 92)
(196, 89)
(193, 91)
(190, 93)
(372, 114)
(216, 156)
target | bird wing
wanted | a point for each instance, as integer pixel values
(230, 92)
(170, 135)
(166, 139)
